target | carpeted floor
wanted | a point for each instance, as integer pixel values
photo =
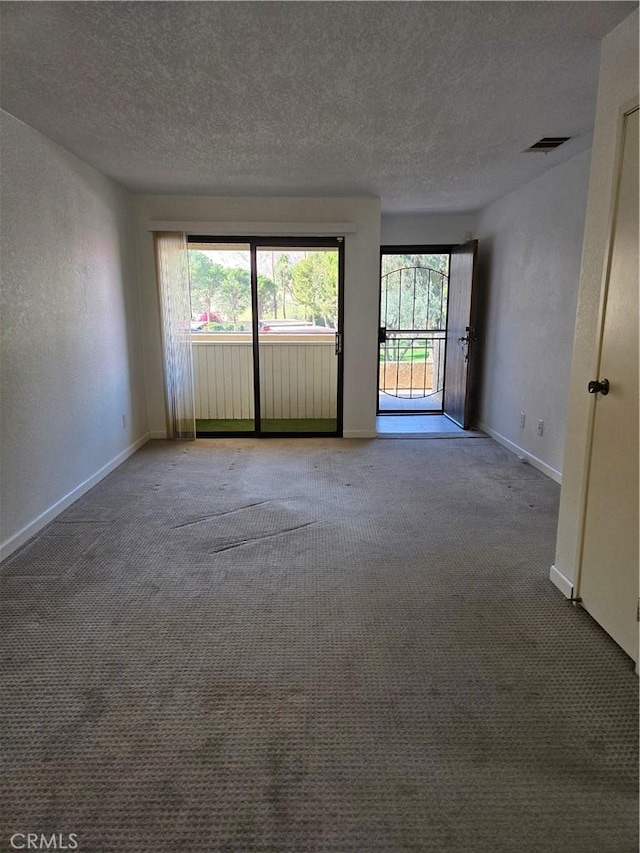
(312, 645)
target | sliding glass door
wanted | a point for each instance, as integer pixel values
(266, 333)
(222, 336)
(299, 339)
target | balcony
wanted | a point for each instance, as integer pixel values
(298, 381)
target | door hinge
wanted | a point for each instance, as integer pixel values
(638, 612)
(338, 343)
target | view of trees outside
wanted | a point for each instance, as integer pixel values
(413, 297)
(314, 284)
(414, 291)
(294, 285)
(206, 278)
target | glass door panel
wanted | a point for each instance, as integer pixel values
(222, 337)
(298, 336)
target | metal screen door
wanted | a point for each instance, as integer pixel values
(413, 322)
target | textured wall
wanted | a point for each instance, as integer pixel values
(71, 355)
(360, 289)
(617, 91)
(398, 229)
(530, 246)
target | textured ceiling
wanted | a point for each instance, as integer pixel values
(424, 104)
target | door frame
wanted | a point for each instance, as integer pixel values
(409, 249)
(254, 243)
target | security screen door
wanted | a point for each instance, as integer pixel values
(413, 320)
(267, 337)
(427, 335)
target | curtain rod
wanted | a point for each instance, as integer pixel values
(257, 229)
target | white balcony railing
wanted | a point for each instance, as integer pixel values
(298, 376)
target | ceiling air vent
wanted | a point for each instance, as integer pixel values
(547, 143)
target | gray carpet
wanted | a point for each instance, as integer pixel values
(312, 645)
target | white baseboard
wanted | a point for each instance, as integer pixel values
(14, 542)
(359, 433)
(158, 433)
(564, 584)
(521, 453)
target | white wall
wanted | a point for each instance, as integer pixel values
(71, 354)
(530, 244)
(416, 228)
(360, 287)
(617, 91)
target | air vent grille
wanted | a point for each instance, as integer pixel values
(547, 143)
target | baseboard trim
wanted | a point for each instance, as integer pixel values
(158, 433)
(18, 539)
(523, 454)
(564, 584)
(359, 433)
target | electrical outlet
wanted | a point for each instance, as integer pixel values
(540, 427)
(523, 417)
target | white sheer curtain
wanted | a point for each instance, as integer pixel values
(175, 312)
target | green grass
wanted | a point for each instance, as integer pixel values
(268, 425)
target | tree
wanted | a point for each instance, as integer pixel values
(234, 294)
(205, 279)
(266, 297)
(315, 287)
(283, 278)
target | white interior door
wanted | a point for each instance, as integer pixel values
(609, 575)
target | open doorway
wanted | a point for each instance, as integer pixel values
(427, 332)
(414, 288)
